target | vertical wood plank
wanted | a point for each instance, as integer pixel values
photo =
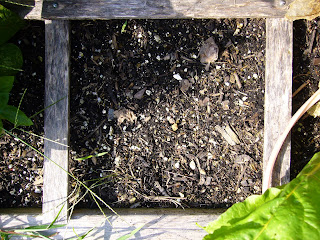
(278, 95)
(56, 125)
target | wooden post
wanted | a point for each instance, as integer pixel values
(278, 95)
(55, 177)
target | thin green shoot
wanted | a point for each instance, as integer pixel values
(33, 231)
(44, 138)
(70, 174)
(20, 4)
(125, 237)
(47, 107)
(123, 29)
(84, 235)
(55, 219)
(16, 119)
(90, 156)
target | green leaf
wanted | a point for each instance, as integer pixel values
(39, 228)
(90, 156)
(10, 113)
(289, 212)
(123, 28)
(10, 23)
(6, 83)
(10, 59)
(125, 237)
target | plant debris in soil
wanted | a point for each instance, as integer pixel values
(306, 77)
(142, 99)
(178, 128)
(21, 167)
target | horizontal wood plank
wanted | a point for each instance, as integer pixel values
(160, 9)
(56, 122)
(278, 95)
(27, 9)
(158, 223)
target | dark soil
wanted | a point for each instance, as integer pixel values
(143, 99)
(306, 70)
(21, 167)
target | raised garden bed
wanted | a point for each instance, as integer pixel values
(170, 91)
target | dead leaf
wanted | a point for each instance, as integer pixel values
(303, 9)
(209, 51)
(139, 95)
(174, 127)
(185, 85)
(125, 114)
(314, 110)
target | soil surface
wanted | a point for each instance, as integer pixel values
(175, 131)
(21, 167)
(171, 130)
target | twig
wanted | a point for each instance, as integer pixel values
(300, 88)
(275, 151)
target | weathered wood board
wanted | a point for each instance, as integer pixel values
(158, 223)
(158, 9)
(56, 122)
(27, 9)
(278, 92)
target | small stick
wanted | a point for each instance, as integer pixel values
(300, 88)
(276, 149)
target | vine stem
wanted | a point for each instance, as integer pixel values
(277, 147)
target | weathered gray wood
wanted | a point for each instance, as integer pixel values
(27, 9)
(278, 94)
(110, 9)
(56, 123)
(158, 223)
(35, 13)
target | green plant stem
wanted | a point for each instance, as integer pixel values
(16, 119)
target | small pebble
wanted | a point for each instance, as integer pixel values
(192, 165)
(177, 76)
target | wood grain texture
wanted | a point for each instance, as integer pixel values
(29, 9)
(56, 122)
(278, 94)
(158, 223)
(159, 9)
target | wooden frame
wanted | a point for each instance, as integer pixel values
(160, 223)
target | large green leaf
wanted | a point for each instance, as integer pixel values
(10, 113)
(6, 83)
(10, 23)
(288, 212)
(10, 59)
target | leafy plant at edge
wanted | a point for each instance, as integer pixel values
(287, 212)
(290, 211)
(10, 63)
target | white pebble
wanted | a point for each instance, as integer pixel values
(177, 76)
(255, 76)
(177, 165)
(192, 165)
(157, 38)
